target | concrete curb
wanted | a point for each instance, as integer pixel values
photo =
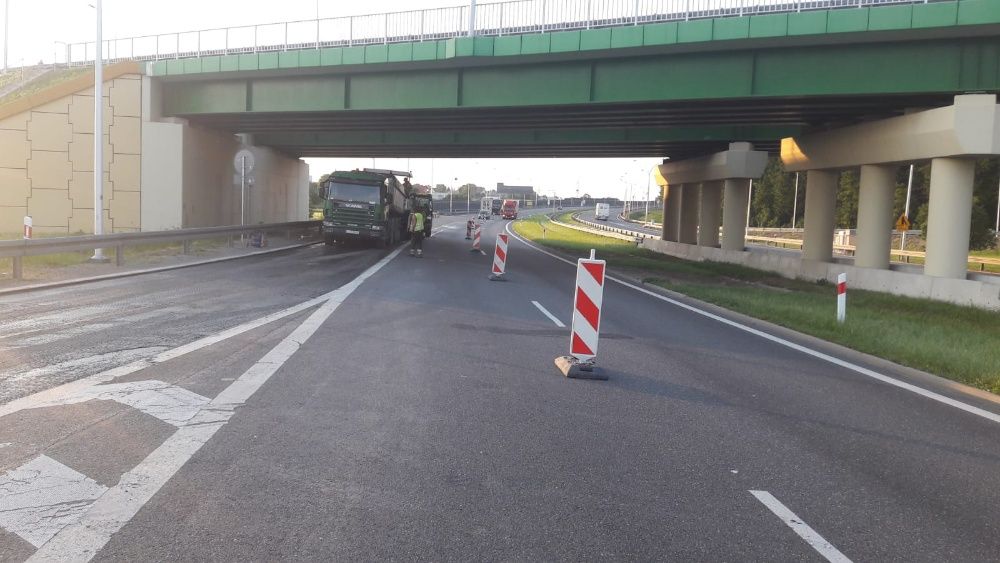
(915, 376)
(104, 277)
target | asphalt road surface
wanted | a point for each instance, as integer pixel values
(358, 404)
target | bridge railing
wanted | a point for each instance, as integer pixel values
(491, 19)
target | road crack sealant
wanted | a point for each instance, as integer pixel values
(81, 539)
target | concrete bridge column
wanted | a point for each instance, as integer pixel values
(875, 220)
(672, 212)
(734, 213)
(709, 210)
(949, 217)
(821, 201)
(688, 228)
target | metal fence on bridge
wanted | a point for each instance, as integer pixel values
(492, 19)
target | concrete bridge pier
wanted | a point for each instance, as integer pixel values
(688, 224)
(821, 200)
(734, 213)
(672, 212)
(691, 213)
(949, 218)
(709, 213)
(875, 217)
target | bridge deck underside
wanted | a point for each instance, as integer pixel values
(662, 129)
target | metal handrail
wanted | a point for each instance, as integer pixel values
(511, 17)
(18, 249)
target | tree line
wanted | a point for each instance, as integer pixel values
(774, 199)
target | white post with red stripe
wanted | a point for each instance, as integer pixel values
(586, 327)
(841, 297)
(27, 227)
(499, 258)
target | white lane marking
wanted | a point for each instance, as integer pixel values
(73, 388)
(169, 403)
(43, 496)
(81, 540)
(797, 347)
(798, 526)
(548, 314)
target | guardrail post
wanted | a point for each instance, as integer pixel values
(18, 271)
(120, 255)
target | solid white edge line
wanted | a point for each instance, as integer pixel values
(994, 417)
(82, 540)
(804, 531)
(548, 314)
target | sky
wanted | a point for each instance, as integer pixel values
(39, 29)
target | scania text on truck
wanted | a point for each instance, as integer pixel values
(370, 204)
(509, 209)
(602, 211)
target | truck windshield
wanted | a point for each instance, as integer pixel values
(353, 192)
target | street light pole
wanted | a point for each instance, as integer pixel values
(98, 137)
(6, 31)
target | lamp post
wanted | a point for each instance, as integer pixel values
(98, 136)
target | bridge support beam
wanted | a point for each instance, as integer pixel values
(709, 212)
(672, 212)
(875, 217)
(688, 224)
(949, 217)
(734, 214)
(821, 200)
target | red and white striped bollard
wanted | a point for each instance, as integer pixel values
(586, 327)
(499, 258)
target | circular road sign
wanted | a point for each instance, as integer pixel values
(238, 161)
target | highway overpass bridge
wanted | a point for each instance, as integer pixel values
(656, 81)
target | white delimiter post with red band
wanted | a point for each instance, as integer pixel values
(585, 332)
(500, 258)
(841, 297)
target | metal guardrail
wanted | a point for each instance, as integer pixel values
(493, 19)
(19, 249)
(904, 255)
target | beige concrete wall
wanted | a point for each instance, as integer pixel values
(970, 292)
(47, 168)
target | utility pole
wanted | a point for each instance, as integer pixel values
(98, 137)
(6, 31)
(906, 208)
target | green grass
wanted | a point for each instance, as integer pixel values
(959, 343)
(654, 216)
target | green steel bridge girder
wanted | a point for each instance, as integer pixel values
(904, 68)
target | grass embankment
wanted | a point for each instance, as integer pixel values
(41, 266)
(960, 343)
(654, 216)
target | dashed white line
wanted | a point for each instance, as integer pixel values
(548, 314)
(798, 526)
(788, 344)
(82, 539)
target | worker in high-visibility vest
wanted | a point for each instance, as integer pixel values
(416, 228)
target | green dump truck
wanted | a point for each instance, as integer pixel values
(370, 204)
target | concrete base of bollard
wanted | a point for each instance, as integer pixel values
(574, 369)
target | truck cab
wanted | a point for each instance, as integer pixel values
(509, 209)
(366, 204)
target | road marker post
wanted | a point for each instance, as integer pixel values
(27, 227)
(841, 297)
(499, 258)
(475, 240)
(586, 326)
